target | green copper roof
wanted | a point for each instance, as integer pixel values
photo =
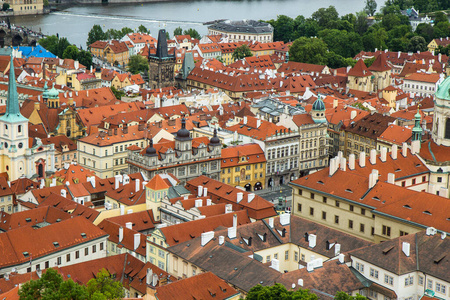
(443, 90)
(188, 65)
(12, 113)
(53, 93)
(45, 94)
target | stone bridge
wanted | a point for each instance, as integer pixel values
(16, 36)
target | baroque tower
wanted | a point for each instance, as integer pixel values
(161, 64)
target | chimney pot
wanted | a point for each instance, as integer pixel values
(394, 152)
(373, 156)
(362, 159)
(351, 161)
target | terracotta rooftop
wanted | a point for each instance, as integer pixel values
(242, 155)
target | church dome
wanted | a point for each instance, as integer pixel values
(318, 104)
(53, 93)
(214, 140)
(150, 151)
(183, 133)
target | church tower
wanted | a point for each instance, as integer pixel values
(13, 133)
(53, 98)
(441, 116)
(161, 64)
(417, 130)
(318, 111)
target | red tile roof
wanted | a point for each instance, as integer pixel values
(359, 70)
(251, 153)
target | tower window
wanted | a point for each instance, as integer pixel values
(19, 129)
(447, 129)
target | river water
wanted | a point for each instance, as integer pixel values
(75, 22)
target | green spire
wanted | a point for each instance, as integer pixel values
(12, 113)
(417, 130)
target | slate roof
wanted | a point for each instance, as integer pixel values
(243, 26)
(371, 126)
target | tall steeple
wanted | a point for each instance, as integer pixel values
(161, 48)
(417, 130)
(12, 113)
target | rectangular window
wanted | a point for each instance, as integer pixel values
(430, 284)
(312, 195)
(373, 273)
(286, 255)
(58, 261)
(47, 264)
(101, 246)
(336, 219)
(86, 251)
(268, 258)
(350, 224)
(420, 280)
(299, 207)
(351, 207)
(361, 227)
(275, 256)
(311, 211)
(77, 254)
(386, 230)
(94, 248)
(388, 279)
(68, 257)
(337, 203)
(296, 256)
(161, 253)
(363, 211)
(324, 215)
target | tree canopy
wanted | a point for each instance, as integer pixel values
(308, 50)
(51, 286)
(241, 52)
(193, 33)
(278, 292)
(95, 34)
(137, 64)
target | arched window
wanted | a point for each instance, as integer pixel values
(447, 129)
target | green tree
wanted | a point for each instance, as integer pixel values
(324, 16)
(95, 34)
(305, 27)
(343, 295)
(308, 50)
(346, 44)
(104, 284)
(63, 43)
(371, 7)
(193, 33)
(368, 62)
(51, 286)
(440, 17)
(178, 31)
(5, 6)
(71, 52)
(143, 29)
(361, 23)
(283, 28)
(417, 43)
(85, 58)
(46, 3)
(50, 43)
(113, 34)
(278, 292)
(137, 64)
(241, 52)
(117, 93)
(426, 31)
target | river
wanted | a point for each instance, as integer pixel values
(75, 22)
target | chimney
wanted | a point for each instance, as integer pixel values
(443, 235)
(137, 240)
(300, 282)
(208, 202)
(383, 154)
(337, 249)
(198, 202)
(372, 180)
(394, 152)
(373, 156)
(129, 225)
(341, 258)
(205, 192)
(415, 147)
(137, 184)
(232, 230)
(63, 193)
(271, 222)
(148, 278)
(258, 123)
(285, 219)
(155, 279)
(206, 237)
(391, 178)
(239, 197)
(120, 234)
(343, 164)
(404, 149)
(406, 248)
(275, 264)
(245, 119)
(312, 238)
(362, 159)
(200, 191)
(228, 208)
(221, 239)
(250, 197)
(310, 267)
(353, 114)
(351, 161)
(93, 181)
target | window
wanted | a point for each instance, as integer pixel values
(160, 264)
(312, 195)
(363, 211)
(430, 284)
(336, 219)
(58, 261)
(409, 281)
(402, 233)
(101, 246)
(161, 253)
(77, 254)
(386, 230)
(438, 287)
(373, 273)
(324, 215)
(286, 255)
(361, 227)
(324, 200)
(68, 257)
(439, 179)
(351, 207)
(86, 251)
(388, 279)
(420, 280)
(275, 256)
(94, 248)
(47, 264)
(311, 211)
(350, 224)
(299, 207)
(268, 258)
(337, 203)
(359, 267)
(295, 256)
